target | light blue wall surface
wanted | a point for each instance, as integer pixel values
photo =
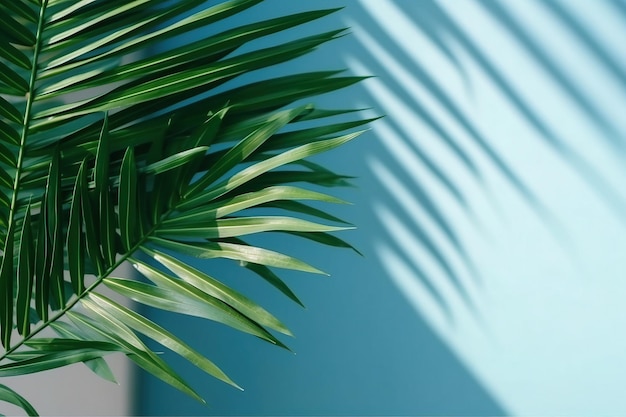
(490, 206)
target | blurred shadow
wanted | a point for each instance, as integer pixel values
(436, 154)
(421, 76)
(583, 168)
(558, 76)
(620, 6)
(412, 204)
(405, 85)
(586, 39)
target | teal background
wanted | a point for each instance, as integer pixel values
(490, 211)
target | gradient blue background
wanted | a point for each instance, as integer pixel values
(490, 208)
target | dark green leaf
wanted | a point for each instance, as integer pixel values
(101, 184)
(101, 168)
(10, 396)
(5, 203)
(114, 330)
(153, 172)
(237, 252)
(155, 332)
(25, 276)
(98, 366)
(21, 9)
(128, 206)
(304, 136)
(5, 179)
(205, 135)
(50, 361)
(16, 84)
(268, 95)
(201, 303)
(243, 149)
(192, 303)
(326, 239)
(262, 167)
(244, 201)
(54, 225)
(8, 134)
(16, 32)
(267, 274)
(174, 161)
(194, 54)
(69, 10)
(203, 17)
(95, 19)
(190, 80)
(50, 344)
(43, 260)
(297, 207)
(322, 179)
(13, 55)
(216, 289)
(6, 156)
(10, 112)
(6, 289)
(75, 240)
(92, 245)
(246, 225)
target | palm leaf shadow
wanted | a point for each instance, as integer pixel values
(587, 40)
(620, 6)
(581, 166)
(552, 68)
(414, 171)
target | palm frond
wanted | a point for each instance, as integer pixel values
(108, 155)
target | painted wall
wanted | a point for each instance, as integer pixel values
(491, 214)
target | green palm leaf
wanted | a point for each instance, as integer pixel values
(149, 160)
(10, 396)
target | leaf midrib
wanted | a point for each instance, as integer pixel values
(30, 98)
(43, 325)
(7, 246)
(88, 290)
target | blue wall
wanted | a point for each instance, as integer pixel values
(490, 212)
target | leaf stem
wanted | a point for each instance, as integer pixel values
(30, 98)
(13, 208)
(73, 302)
(93, 286)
